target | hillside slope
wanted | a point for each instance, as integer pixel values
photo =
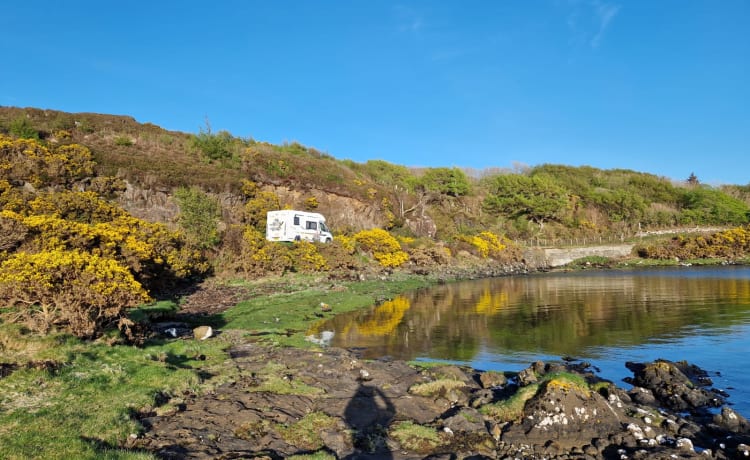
(548, 202)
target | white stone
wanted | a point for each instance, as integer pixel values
(685, 444)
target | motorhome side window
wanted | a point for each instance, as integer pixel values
(323, 227)
(312, 225)
(296, 220)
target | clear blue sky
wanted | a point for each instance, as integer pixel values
(660, 86)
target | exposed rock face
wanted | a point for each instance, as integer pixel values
(158, 205)
(340, 211)
(730, 420)
(570, 413)
(147, 203)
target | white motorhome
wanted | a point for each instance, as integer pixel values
(290, 225)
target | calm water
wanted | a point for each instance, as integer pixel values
(701, 315)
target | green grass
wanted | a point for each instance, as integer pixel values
(313, 456)
(512, 408)
(643, 263)
(305, 432)
(414, 437)
(83, 406)
(154, 311)
(276, 380)
(590, 261)
(436, 387)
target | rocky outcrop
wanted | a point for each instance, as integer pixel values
(287, 402)
(341, 212)
(158, 205)
(677, 386)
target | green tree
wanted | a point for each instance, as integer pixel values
(620, 205)
(704, 205)
(448, 181)
(538, 198)
(389, 174)
(199, 216)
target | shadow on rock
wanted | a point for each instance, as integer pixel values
(368, 414)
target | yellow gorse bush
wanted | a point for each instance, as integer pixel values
(260, 256)
(133, 242)
(307, 257)
(29, 160)
(383, 246)
(71, 289)
(487, 244)
(347, 242)
(71, 260)
(731, 243)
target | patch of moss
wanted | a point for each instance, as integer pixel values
(250, 431)
(565, 381)
(279, 379)
(305, 433)
(510, 409)
(435, 387)
(314, 456)
(414, 437)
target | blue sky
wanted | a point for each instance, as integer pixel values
(655, 86)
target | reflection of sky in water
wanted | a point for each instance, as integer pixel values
(723, 356)
(701, 315)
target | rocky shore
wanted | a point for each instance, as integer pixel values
(289, 402)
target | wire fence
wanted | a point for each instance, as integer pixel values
(622, 238)
(580, 241)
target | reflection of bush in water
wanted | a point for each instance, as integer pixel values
(491, 302)
(384, 319)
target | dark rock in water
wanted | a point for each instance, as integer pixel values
(538, 367)
(730, 420)
(672, 387)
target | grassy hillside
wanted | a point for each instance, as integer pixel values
(547, 201)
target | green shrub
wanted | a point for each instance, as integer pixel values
(123, 141)
(214, 146)
(21, 127)
(199, 216)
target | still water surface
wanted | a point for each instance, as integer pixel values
(701, 315)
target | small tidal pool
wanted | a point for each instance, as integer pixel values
(697, 314)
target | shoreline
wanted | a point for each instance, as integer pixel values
(331, 404)
(116, 386)
(632, 433)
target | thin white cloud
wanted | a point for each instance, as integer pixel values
(605, 13)
(589, 20)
